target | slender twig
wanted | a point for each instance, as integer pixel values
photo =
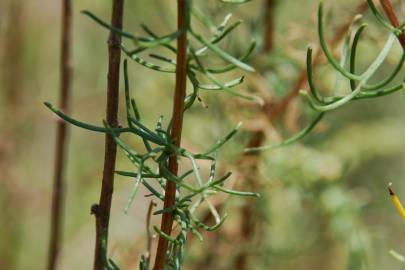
(58, 194)
(102, 210)
(269, 25)
(389, 11)
(177, 125)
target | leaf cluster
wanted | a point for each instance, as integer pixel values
(151, 167)
(360, 86)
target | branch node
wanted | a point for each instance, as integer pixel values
(94, 210)
(114, 43)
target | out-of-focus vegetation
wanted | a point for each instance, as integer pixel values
(324, 203)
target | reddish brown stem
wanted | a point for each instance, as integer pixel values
(102, 210)
(389, 11)
(269, 28)
(58, 194)
(177, 126)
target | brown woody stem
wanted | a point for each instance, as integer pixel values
(58, 194)
(102, 210)
(177, 126)
(269, 25)
(389, 11)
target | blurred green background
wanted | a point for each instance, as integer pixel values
(324, 202)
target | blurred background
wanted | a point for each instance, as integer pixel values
(324, 201)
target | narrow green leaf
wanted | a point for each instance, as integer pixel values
(292, 139)
(222, 54)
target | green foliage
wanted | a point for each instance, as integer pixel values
(359, 84)
(360, 149)
(151, 166)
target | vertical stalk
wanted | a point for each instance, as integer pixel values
(177, 126)
(269, 28)
(13, 53)
(102, 210)
(58, 194)
(11, 58)
(389, 11)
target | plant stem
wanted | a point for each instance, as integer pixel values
(177, 125)
(269, 28)
(389, 11)
(13, 53)
(102, 210)
(12, 87)
(58, 194)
